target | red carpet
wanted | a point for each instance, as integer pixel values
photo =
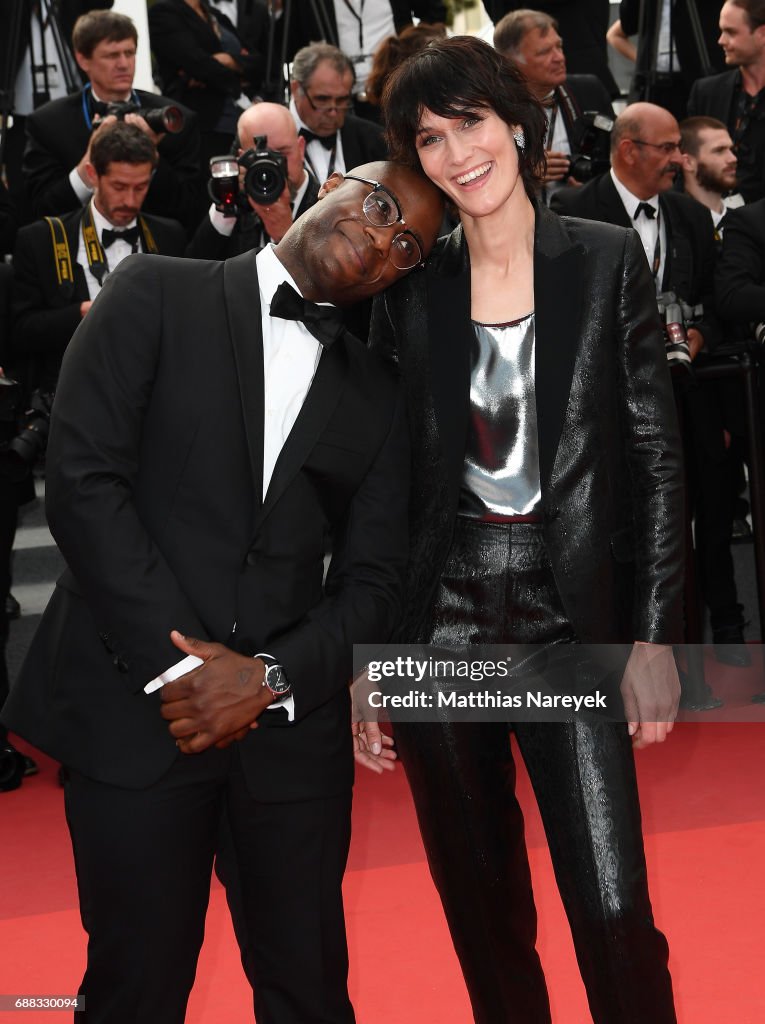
(704, 810)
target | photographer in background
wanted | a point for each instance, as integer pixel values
(244, 223)
(709, 165)
(60, 264)
(678, 238)
(60, 133)
(577, 144)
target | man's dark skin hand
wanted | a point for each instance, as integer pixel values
(216, 703)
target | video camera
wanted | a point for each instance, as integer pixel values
(589, 160)
(159, 119)
(264, 180)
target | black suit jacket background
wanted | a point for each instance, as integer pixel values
(690, 263)
(57, 137)
(740, 280)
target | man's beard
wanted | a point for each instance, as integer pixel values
(712, 181)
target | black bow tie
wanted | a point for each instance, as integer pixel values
(647, 209)
(328, 141)
(129, 235)
(324, 322)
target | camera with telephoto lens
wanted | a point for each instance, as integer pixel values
(18, 456)
(159, 119)
(264, 179)
(676, 317)
(591, 157)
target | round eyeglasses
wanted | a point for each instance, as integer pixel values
(322, 104)
(382, 209)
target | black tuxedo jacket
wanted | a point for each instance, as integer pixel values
(713, 96)
(740, 279)
(608, 442)
(304, 28)
(582, 24)
(57, 137)
(690, 262)
(363, 142)
(154, 483)
(248, 233)
(183, 44)
(45, 314)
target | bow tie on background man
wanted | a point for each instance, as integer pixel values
(328, 141)
(129, 235)
(324, 322)
(647, 209)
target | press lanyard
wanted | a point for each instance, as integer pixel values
(359, 18)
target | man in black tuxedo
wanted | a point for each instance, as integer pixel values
(54, 291)
(220, 236)
(678, 238)
(531, 40)
(583, 25)
(740, 280)
(322, 95)
(737, 97)
(212, 431)
(60, 132)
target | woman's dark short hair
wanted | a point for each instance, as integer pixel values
(455, 77)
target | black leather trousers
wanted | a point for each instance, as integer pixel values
(498, 588)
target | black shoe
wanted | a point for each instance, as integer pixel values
(12, 607)
(730, 648)
(30, 766)
(11, 768)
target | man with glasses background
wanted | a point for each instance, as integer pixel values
(214, 428)
(322, 96)
(678, 237)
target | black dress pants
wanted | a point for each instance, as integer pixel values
(498, 587)
(144, 860)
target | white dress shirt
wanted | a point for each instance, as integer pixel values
(114, 255)
(646, 227)
(290, 357)
(361, 27)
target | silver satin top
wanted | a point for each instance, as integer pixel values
(501, 474)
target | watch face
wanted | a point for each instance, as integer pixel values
(276, 680)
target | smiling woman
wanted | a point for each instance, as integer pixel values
(543, 428)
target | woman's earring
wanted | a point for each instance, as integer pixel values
(520, 139)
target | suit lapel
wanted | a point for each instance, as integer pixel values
(320, 402)
(558, 296)
(450, 343)
(611, 206)
(240, 283)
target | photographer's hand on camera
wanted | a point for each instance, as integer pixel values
(557, 168)
(140, 122)
(85, 160)
(276, 217)
(695, 341)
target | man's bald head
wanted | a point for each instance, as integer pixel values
(276, 123)
(645, 149)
